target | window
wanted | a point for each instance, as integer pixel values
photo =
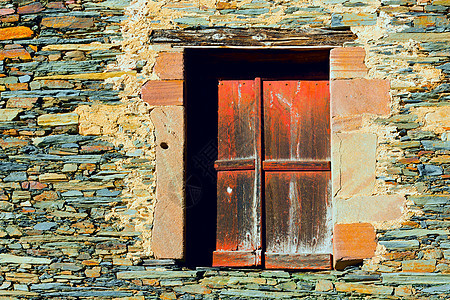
(273, 174)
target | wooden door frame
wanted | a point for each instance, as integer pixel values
(170, 94)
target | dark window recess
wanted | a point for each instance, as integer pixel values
(257, 165)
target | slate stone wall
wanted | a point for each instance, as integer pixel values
(79, 148)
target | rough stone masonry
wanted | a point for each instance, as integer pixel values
(84, 85)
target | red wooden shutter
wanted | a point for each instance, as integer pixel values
(297, 174)
(238, 241)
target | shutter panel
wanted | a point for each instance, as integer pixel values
(297, 174)
(238, 241)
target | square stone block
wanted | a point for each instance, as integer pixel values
(352, 243)
(368, 208)
(346, 63)
(169, 65)
(165, 92)
(359, 96)
(168, 226)
(353, 163)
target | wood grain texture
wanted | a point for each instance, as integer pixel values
(289, 165)
(237, 115)
(236, 164)
(296, 120)
(298, 261)
(238, 212)
(236, 258)
(253, 37)
(298, 212)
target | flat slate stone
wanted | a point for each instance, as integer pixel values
(441, 289)
(414, 233)
(15, 176)
(14, 259)
(60, 139)
(45, 226)
(400, 244)
(430, 199)
(416, 278)
(10, 166)
(156, 274)
(436, 145)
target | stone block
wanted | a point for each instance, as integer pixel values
(168, 229)
(359, 96)
(167, 92)
(354, 161)
(31, 8)
(20, 102)
(9, 114)
(18, 53)
(13, 33)
(368, 208)
(169, 65)
(353, 19)
(346, 63)
(58, 119)
(363, 288)
(352, 243)
(67, 22)
(419, 266)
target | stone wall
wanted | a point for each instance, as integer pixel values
(80, 146)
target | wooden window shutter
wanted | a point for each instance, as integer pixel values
(274, 152)
(238, 241)
(297, 174)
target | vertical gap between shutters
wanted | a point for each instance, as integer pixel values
(259, 158)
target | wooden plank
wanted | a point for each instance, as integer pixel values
(298, 261)
(238, 212)
(235, 164)
(296, 120)
(236, 119)
(236, 258)
(292, 165)
(252, 37)
(298, 212)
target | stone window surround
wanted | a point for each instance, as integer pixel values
(350, 96)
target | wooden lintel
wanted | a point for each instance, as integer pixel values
(252, 37)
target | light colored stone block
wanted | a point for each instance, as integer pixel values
(359, 96)
(164, 92)
(347, 63)
(8, 114)
(58, 119)
(169, 65)
(368, 208)
(353, 163)
(168, 229)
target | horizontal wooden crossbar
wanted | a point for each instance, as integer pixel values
(235, 164)
(236, 258)
(289, 165)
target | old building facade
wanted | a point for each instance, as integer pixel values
(108, 126)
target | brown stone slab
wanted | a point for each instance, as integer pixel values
(346, 63)
(352, 243)
(169, 65)
(419, 266)
(359, 96)
(168, 226)
(167, 92)
(68, 22)
(12, 33)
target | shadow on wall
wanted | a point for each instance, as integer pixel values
(203, 69)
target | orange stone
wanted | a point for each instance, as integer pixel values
(352, 243)
(169, 65)
(346, 63)
(46, 195)
(359, 96)
(9, 19)
(21, 86)
(13, 33)
(419, 266)
(68, 22)
(15, 54)
(168, 92)
(93, 273)
(17, 102)
(31, 8)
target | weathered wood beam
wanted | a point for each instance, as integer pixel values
(253, 37)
